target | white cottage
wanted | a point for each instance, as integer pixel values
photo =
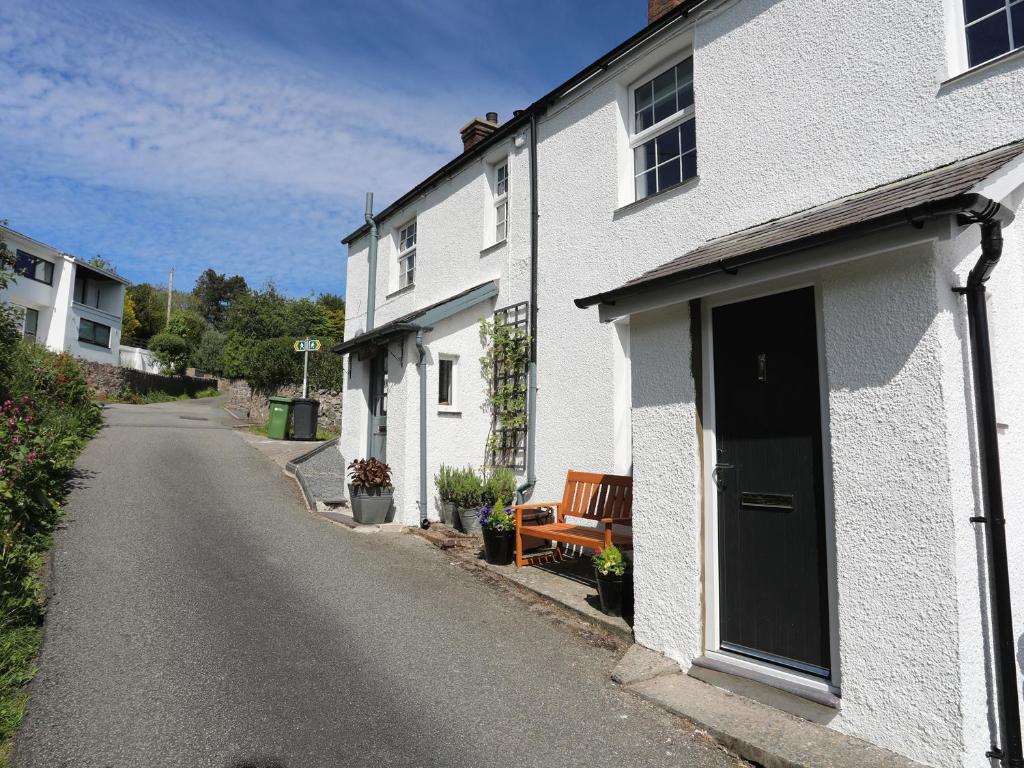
(769, 210)
(65, 304)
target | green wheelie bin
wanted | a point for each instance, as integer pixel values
(280, 417)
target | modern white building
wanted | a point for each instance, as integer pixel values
(738, 239)
(65, 303)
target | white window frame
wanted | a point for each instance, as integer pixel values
(501, 187)
(657, 129)
(453, 406)
(407, 254)
(959, 59)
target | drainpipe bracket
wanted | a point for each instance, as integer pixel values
(960, 289)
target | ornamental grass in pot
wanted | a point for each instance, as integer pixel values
(613, 581)
(371, 492)
(499, 528)
(445, 482)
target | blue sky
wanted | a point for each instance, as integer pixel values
(242, 135)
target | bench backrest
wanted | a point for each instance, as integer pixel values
(592, 495)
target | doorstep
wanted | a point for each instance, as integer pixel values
(756, 732)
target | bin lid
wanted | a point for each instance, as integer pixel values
(305, 401)
(277, 399)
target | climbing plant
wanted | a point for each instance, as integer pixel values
(506, 344)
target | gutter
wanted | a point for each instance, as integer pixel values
(371, 299)
(527, 115)
(1011, 753)
(531, 396)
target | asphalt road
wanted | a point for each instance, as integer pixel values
(202, 617)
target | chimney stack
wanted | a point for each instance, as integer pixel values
(658, 8)
(476, 130)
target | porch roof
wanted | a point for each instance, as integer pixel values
(942, 191)
(420, 319)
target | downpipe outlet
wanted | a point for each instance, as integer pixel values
(1011, 753)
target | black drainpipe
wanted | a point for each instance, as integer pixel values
(992, 496)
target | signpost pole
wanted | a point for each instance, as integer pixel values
(305, 369)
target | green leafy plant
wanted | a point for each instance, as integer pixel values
(369, 473)
(444, 481)
(503, 367)
(609, 561)
(467, 488)
(172, 352)
(499, 483)
(498, 518)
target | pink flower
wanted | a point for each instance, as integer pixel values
(12, 422)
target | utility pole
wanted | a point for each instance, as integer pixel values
(170, 294)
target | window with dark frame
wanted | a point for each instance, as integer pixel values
(664, 133)
(97, 334)
(444, 382)
(992, 28)
(33, 267)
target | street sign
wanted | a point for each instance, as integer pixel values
(306, 346)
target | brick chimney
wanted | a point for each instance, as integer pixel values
(476, 130)
(658, 8)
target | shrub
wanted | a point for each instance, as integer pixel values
(500, 483)
(369, 473)
(467, 489)
(444, 481)
(209, 355)
(172, 352)
(188, 325)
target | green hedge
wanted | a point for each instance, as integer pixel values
(46, 417)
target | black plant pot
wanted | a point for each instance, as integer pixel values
(612, 591)
(499, 547)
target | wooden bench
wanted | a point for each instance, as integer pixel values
(608, 499)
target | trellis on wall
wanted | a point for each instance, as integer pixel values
(506, 342)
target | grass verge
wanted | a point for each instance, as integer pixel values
(321, 434)
(134, 398)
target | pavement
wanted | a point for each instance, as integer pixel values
(201, 616)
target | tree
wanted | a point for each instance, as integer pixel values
(334, 315)
(130, 324)
(187, 324)
(209, 356)
(150, 306)
(214, 293)
(102, 263)
(172, 352)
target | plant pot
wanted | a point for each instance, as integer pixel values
(448, 513)
(499, 546)
(611, 589)
(372, 506)
(468, 520)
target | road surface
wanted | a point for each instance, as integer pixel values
(202, 617)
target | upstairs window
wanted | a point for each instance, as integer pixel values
(407, 255)
(501, 202)
(33, 267)
(664, 136)
(993, 27)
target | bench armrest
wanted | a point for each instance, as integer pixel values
(543, 505)
(616, 520)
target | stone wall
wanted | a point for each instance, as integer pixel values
(109, 379)
(241, 399)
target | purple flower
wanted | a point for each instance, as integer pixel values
(483, 515)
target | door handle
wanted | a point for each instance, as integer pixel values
(716, 478)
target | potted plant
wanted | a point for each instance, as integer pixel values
(371, 491)
(467, 500)
(610, 569)
(445, 481)
(498, 523)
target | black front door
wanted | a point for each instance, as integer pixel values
(773, 589)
